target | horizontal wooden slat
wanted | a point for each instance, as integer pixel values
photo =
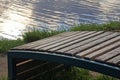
(35, 70)
(83, 41)
(54, 38)
(103, 50)
(91, 44)
(21, 67)
(114, 60)
(66, 41)
(54, 70)
(46, 40)
(18, 60)
(109, 55)
(97, 47)
(59, 40)
(74, 42)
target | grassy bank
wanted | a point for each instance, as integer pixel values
(111, 26)
(74, 73)
(34, 35)
(5, 45)
(37, 35)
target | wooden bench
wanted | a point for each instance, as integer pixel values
(96, 51)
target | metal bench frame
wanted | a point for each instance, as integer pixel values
(59, 58)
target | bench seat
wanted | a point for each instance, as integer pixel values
(93, 50)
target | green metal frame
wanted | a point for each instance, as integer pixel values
(58, 58)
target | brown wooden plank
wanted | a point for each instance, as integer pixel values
(75, 41)
(36, 70)
(23, 62)
(46, 40)
(114, 60)
(28, 65)
(59, 40)
(103, 50)
(66, 41)
(19, 60)
(30, 68)
(55, 69)
(84, 40)
(97, 47)
(91, 44)
(109, 55)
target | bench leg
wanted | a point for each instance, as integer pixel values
(11, 68)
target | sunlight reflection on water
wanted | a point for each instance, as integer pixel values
(16, 16)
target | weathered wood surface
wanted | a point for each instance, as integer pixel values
(97, 46)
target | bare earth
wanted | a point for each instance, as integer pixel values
(3, 66)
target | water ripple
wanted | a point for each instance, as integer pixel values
(16, 16)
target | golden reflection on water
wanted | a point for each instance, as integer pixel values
(107, 5)
(52, 14)
(13, 24)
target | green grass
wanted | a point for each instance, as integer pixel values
(111, 26)
(104, 77)
(5, 44)
(72, 74)
(3, 78)
(37, 35)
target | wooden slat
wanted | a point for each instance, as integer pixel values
(97, 47)
(35, 70)
(83, 41)
(18, 60)
(23, 62)
(54, 70)
(21, 70)
(75, 41)
(103, 50)
(91, 44)
(28, 65)
(66, 41)
(59, 40)
(114, 60)
(46, 40)
(109, 55)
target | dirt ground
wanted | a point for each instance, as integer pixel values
(3, 66)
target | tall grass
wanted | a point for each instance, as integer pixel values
(5, 44)
(37, 35)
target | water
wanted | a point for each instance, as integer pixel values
(16, 16)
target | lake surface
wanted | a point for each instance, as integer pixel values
(17, 16)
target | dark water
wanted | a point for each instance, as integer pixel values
(16, 16)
